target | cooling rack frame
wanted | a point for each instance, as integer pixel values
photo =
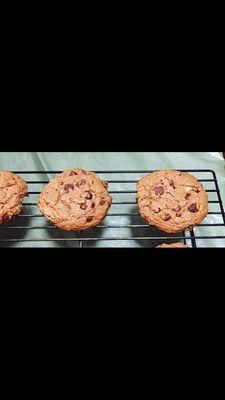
(83, 237)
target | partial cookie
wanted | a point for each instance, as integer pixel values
(75, 200)
(171, 200)
(12, 191)
(173, 245)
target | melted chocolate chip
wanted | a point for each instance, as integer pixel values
(187, 196)
(80, 183)
(5, 218)
(193, 208)
(68, 187)
(172, 184)
(83, 206)
(102, 202)
(89, 219)
(156, 209)
(89, 196)
(73, 173)
(178, 214)
(197, 190)
(159, 190)
(167, 217)
(93, 205)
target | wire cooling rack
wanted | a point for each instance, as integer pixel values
(123, 226)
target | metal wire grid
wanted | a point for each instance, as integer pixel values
(15, 232)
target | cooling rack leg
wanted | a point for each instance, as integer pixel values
(81, 241)
(193, 241)
(185, 239)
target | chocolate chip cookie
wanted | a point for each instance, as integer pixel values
(75, 200)
(12, 191)
(171, 200)
(173, 245)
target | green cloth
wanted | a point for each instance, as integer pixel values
(110, 161)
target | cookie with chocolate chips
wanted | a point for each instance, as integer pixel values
(171, 200)
(75, 200)
(12, 191)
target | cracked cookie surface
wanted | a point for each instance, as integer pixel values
(75, 200)
(12, 191)
(171, 200)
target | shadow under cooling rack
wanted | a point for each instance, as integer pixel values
(123, 226)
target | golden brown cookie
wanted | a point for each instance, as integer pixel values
(171, 200)
(173, 245)
(75, 200)
(12, 191)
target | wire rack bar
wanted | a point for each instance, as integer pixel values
(111, 239)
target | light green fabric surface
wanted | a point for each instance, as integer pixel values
(113, 161)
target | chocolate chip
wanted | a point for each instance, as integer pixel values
(80, 183)
(187, 196)
(83, 206)
(89, 196)
(89, 219)
(172, 184)
(159, 190)
(178, 208)
(5, 218)
(181, 174)
(73, 173)
(197, 190)
(193, 208)
(156, 209)
(93, 205)
(102, 202)
(68, 187)
(167, 217)
(178, 214)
